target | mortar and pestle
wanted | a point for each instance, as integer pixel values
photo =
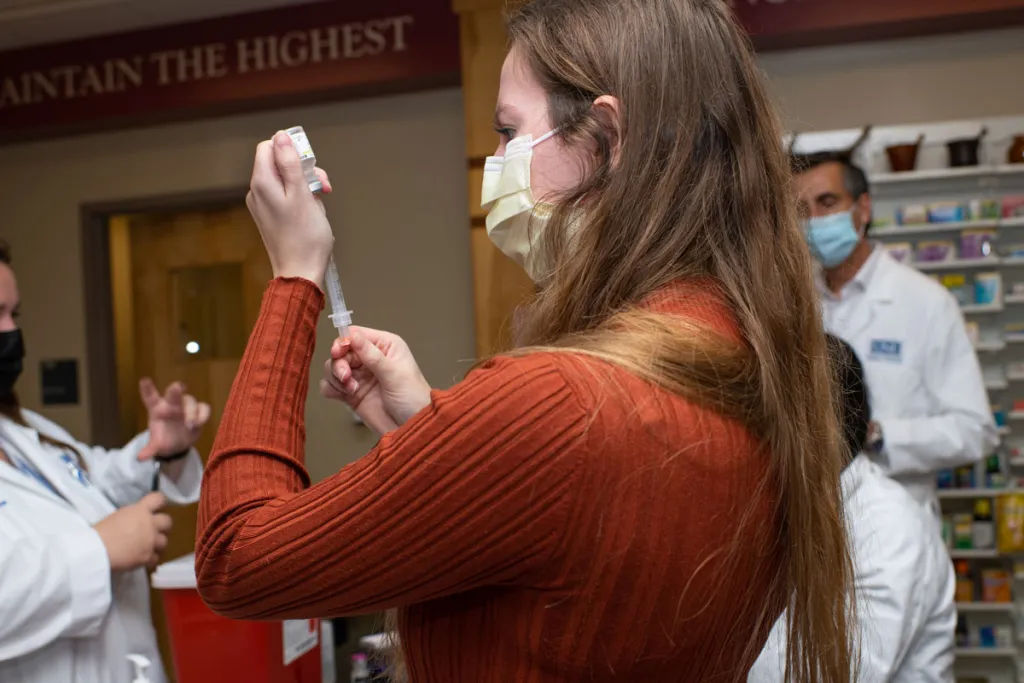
(904, 157)
(964, 151)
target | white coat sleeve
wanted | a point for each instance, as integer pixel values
(52, 587)
(119, 473)
(770, 666)
(888, 579)
(960, 429)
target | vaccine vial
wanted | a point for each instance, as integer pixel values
(301, 142)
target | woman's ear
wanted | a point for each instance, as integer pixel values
(608, 112)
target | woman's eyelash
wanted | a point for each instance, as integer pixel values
(506, 133)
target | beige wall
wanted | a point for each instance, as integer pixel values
(925, 79)
(399, 213)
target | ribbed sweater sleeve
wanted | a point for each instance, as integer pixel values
(474, 491)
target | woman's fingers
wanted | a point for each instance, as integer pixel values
(321, 175)
(328, 390)
(338, 378)
(331, 377)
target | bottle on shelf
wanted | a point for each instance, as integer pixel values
(983, 528)
(964, 582)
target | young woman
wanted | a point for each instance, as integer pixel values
(79, 525)
(638, 491)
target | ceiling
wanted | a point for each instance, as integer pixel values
(34, 22)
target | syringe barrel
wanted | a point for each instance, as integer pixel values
(332, 282)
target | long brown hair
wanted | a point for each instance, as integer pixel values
(695, 183)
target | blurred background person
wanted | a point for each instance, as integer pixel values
(79, 524)
(928, 396)
(903, 579)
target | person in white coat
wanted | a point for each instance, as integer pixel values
(78, 527)
(903, 579)
(927, 392)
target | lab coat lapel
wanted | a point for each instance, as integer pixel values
(29, 448)
(10, 476)
(877, 297)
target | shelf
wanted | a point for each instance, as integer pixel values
(960, 554)
(977, 309)
(1016, 462)
(984, 606)
(1003, 431)
(1017, 222)
(953, 494)
(1014, 338)
(1012, 261)
(960, 264)
(945, 174)
(991, 346)
(979, 652)
(932, 228)
(1017, 415)
(1011, 299)
(997, 385)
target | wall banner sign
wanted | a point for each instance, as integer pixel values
(780, 24)
(291, 55)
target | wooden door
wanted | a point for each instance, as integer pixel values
(499, 284)
(187, 292)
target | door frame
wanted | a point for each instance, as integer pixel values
(100, 348)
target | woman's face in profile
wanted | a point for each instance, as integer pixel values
(9, 299)
(523, 110)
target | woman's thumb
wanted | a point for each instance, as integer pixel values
(372, 357)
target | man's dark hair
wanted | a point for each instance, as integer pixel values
(854, 179)
(855, 411)
(5, 253)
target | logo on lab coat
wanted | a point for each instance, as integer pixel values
(887, 350)
(74, 470)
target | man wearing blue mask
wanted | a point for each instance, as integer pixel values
(930, 406)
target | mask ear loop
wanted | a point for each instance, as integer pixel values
(547, 136)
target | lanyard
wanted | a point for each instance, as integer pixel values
(26, 467)
(28, 470)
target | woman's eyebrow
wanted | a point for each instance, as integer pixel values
(502, 114)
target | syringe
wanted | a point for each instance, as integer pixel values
(340, 316)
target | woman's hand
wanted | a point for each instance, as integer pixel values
(135, 535)
(291, 219)
(175, 419)
(375, 374)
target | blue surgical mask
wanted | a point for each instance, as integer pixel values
(832, 238)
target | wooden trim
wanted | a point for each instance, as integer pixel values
(476, 162)
(104, 402)
(478, 221)
(104, 408)
(468, 6)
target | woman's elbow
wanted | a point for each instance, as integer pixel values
(223, 592)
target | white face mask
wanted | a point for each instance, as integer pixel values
(512, 211)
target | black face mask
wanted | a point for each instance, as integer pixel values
(12, 351)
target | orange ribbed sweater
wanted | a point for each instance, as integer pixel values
(549, 519)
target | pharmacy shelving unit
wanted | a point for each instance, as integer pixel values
(995, 351)
(933, 182)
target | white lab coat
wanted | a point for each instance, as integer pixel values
(64, 618)
(922, 373)
(903, 582)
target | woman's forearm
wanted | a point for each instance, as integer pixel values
(259, 450)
